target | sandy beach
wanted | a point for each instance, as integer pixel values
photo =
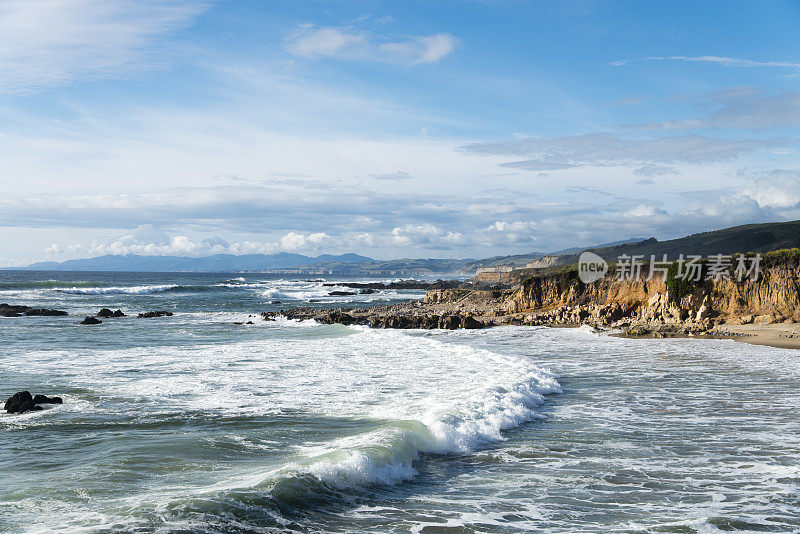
(781, 335)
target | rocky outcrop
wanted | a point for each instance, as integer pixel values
(89, 320)
(23, 401)
(151, 314)
(8, 310)
(397, 316)
(561, 298)
(106, 313)
(401, 284)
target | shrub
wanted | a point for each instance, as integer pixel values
(677, 288)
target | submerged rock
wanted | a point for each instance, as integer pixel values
(23, 401)
(340, 293)
(44, 399)
(91, 320)
(8, 310)
(161, 313)
(105, 313)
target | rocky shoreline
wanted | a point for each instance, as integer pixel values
(638, 308)
(402, 316)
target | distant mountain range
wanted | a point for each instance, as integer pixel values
(521, 260)
(217, 262)
(747, 238)
(758, 238)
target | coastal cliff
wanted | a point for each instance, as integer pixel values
(561, 298)
(662, 306)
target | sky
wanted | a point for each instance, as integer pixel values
(430, 128)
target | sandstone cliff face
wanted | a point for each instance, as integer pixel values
(563, 298)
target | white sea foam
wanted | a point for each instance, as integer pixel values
(589, 329)
(386, 456)
(132, 290)
(325, 409)
(274, 293)
(458, 418)
(420, 392)
(317, 292)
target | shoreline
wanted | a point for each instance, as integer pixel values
(778, 335)
(424, 315)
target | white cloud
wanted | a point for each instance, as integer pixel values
(52, 42)
(722, 60)
(331, 42)
(148, 240)
(510, 232)
(779, 188)
(430, 49)
(347, 43)
(295, 241)
(426, 234)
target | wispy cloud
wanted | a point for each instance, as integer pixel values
(347, 43)
(311, 42)
(45, 43)
(745, 110)
(727, 61)
(393, 176)
(650, 171)
(719, 60)
(544, 154)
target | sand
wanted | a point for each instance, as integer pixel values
(782, 335)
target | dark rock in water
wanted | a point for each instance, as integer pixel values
(16, 400)
(470, 323)
(105, 313)
(249, 322)
(44, 399)
(91, 320)
(380, 317)
(150, 314)
(367, 291)
(22, 402)
(340, 293)
(401, 284)
(27, 407)
(8, 310)
(336, 317)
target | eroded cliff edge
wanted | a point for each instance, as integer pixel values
(662, 305)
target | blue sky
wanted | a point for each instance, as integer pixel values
(393, 129)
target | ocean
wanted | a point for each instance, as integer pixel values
(194, 423)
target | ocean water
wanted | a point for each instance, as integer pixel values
(193, 423)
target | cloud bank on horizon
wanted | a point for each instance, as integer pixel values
(450, 129)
